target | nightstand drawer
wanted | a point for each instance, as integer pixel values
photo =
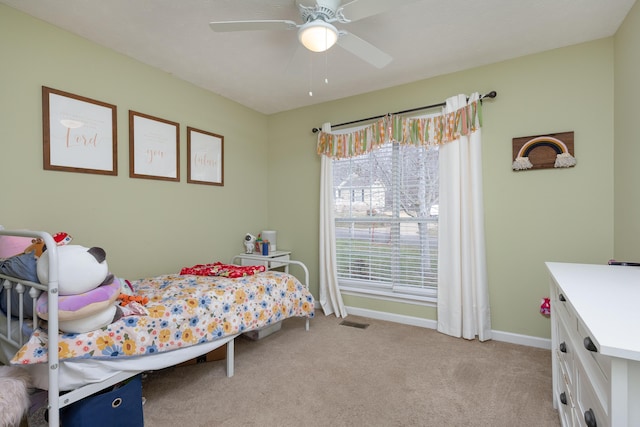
(275, 264)
(269, 261)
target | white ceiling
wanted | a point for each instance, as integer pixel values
(270, 72)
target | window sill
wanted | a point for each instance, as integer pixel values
(429, 301)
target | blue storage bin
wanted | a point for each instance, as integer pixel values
(119, 406)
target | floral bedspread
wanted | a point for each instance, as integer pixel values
(183, 310)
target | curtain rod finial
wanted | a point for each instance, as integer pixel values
(315, 130)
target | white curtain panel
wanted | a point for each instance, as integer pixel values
(463, 292)
(330, 296)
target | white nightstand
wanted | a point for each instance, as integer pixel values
(269, 261)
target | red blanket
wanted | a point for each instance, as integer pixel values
(225, 270)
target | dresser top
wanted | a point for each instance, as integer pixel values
(607, 299)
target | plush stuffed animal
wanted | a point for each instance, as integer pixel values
(37, 246)
(80, 269)
(87, 291)
(545, 306)
(62, 238)
(14, 396)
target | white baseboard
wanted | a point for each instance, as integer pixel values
(527, 340)
(392, 317)
(509, 337)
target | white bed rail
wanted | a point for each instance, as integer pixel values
(52, 293)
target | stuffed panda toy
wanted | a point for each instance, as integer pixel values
(87, 291)
(80, 269)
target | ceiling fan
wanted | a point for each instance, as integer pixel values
(317, 31)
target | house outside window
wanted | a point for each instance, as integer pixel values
(386, 223)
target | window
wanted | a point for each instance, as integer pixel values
(386, 222)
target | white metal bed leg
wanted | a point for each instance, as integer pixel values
(230, 356)
(306, 326)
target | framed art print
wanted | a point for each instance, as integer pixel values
(205, 157)
(79, 134)
(154, 150)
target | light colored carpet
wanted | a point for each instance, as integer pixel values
(385, 375)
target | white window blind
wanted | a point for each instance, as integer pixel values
(386, 222)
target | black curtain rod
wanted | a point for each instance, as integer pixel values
(491, 94)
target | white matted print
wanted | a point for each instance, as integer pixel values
(79, 134)
(154, 150)
(205, 157)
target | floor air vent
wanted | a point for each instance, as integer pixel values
(354, 324)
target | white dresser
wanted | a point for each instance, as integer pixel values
(595, 334)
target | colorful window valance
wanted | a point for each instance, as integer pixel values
(435, 130)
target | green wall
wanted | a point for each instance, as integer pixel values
(146, 226)
(151, 227)
(627, 149)
(531, 217)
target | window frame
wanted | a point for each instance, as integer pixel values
(426, 295)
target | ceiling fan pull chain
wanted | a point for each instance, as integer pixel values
(326, 67)
(310, 75)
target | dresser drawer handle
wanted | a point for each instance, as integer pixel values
(589, 345)
(590, 418)
(563, 398)
(563, 347)
(562, 298)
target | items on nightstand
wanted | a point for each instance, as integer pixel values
(270, 236)
(249, 242)
(264, 244)
(258, 244)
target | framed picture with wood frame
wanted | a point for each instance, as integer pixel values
(154, 147)
(205, 157)
(79, 133)
(551, 150)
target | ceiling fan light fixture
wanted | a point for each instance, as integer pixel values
(318, 35)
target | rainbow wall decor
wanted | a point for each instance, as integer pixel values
(543, 151)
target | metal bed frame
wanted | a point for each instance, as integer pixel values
(14, 337)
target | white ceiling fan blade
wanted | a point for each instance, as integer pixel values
(331, 4)
(364, 50)
(256, 25)
(359, 9)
